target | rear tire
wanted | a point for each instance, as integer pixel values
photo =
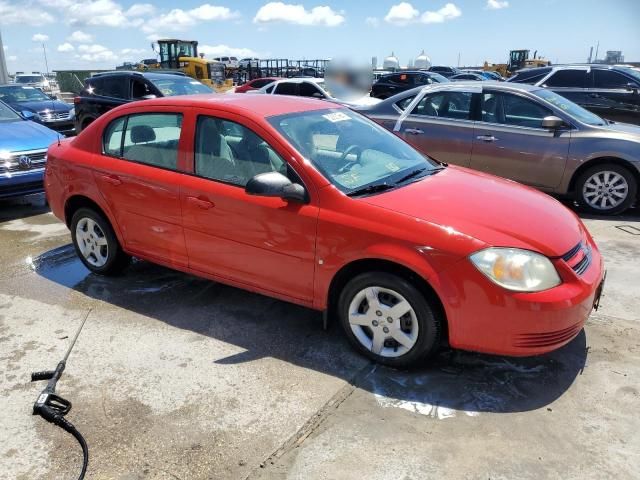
(96, 244)
(389, 320)
(606, 189)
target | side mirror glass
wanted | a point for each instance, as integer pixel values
(151, 96)
(28, 114)
(632, 87)
(552, 122)
(318, 95)
(274, 184)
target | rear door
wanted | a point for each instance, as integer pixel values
(137, 174)
(440, 124)
(510, 142)
(615, 96)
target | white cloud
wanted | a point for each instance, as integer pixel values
(80, 37)
(497, 4)
(40, 37)
(405, 13)
(220, 50)
(298, 15)
(131, 53)
(98, 13)
(402, 14)
(448, 12)
(140, 10)
(178, 19)
(12, 58)
(96, 53)
(66, 47)
(21, 14)
(372, 21)
(154, 37)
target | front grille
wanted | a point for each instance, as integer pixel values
(578, 258)
(21, 189)
(547, 339)
(24, 161)
(54, 116)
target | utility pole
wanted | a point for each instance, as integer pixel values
(46, 64)
(4, 73)
(597, 48)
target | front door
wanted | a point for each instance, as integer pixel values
(256, 241)
(510, 142)
(137, 177)
(440, 125)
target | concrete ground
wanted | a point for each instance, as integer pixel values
(175, 377)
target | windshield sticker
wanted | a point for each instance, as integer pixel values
(336, 117)
(28, 88)
(392, 167)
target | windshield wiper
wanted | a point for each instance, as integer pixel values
(378, 187)
(413, 173)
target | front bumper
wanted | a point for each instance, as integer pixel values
(21, 183)
(487, 318)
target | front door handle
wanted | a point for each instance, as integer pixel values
(413, 131)
(112, 179)
(487, 138)
(200, 202)
(594, 95)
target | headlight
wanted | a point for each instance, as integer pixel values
(515, 269)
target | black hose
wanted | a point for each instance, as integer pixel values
(69, 427)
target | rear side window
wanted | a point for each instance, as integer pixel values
(308, 90)
(445, 105)
(531, 77)
(404, 103)
(261, 82)
(568, 78)
(149, 138)
(286, 88)
(609, 79)
(114, 87)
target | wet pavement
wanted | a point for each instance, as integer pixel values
(175, 377)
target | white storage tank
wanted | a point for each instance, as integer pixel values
(422, 61)
(391, 63)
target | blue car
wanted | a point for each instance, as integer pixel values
(23, 153)
(40, 107)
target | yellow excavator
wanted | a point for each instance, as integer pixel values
(518, 59)
(183, 55)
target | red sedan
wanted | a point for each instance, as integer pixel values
(313, 203)
(256, 84)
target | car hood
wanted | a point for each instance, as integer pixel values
(40, 105)
(22, 135)
(492, 210)
(626, 129)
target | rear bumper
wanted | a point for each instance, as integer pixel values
(486, 318)
(22, 183)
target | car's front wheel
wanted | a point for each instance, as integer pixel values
(96, 243)
(388, 319)
(606, 189)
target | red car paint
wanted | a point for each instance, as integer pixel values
(255, 84)
(293, 251)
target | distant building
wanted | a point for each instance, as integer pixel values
(391, 62)
(422, 61)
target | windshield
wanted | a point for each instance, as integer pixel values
(180, 86)
(7, 114)
(29, 79)
(436, 77)
(13, 94)
(635, 73)
(569, 107)
(351, 151)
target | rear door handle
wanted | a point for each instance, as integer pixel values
(200, 202)
(413, 131)
(487, 138)
(112, 179)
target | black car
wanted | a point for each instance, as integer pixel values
(36, 105)
(388, 85)
(445, 71)
(107, 90)
(611, 92)
(468, 76)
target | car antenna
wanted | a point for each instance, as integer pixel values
(53, 408)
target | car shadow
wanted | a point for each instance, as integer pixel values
(264, 327)
(22, 207)
(630, 215)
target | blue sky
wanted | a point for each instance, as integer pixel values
(103, 33)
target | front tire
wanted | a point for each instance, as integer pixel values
(96, 244)
(387, 319)
(606, 189)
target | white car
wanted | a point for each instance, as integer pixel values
(313, 87)
(229, 62)
(249, 62)
(37, 80)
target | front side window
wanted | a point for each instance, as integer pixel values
(149, 138)
(568, 79)
(351, 151)
(609, 79)
(231, 153)
(286, 88)
(308, 89)
(508, 109)
(445, 105)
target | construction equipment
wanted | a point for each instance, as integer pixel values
(518, 59)
(183, 55)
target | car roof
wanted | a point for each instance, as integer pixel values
(258, 105)
(130, 73)
(301, 80)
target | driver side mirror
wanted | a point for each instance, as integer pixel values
(317, 95)
(552, 122)
(53, 97)
(28, 114)
(632, 87)
(274, 184)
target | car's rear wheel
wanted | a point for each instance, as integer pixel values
(606, 189)
(96, 243)
(388, 319)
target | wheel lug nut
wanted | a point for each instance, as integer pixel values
(378, 313)
(385, 330)
(374, 323)
(389, 319)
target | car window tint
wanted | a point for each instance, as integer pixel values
(286, 88)
(609, 79)
(231, 153)
(261, 83)
(404, 103)
(112, 138)
(308, 89)
(139, 89)
(116, 87)
(445, 105)
(509, 109)
(152, 139)
(532, 76)
(567, 78)
(270, 89)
